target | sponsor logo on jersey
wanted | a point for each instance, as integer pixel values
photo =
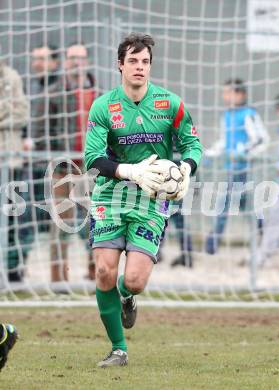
(100, 212)
(161, 104)
(152, 223)
(164, 206)
(140, 138)
(120, 125)
(117, 121)
(194, 131)
(90, 125)
(116, 107)
(160, 117)
(160, 95)
(117, 118)
(148, 235)
(105, 229)
(139, 120)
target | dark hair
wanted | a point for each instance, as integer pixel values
(237, 85)
(138, 41)
(54, 52)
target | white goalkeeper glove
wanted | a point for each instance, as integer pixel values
(185, 170)
(149, 177)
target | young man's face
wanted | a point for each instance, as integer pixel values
(136, 68)
(42, 61)
(76, 59)
(232, 98)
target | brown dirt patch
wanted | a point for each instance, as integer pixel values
(221, 317)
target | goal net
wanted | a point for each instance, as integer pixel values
(199, 45)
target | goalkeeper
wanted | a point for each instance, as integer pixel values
(128, 128)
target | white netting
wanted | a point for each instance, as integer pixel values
(199, 45)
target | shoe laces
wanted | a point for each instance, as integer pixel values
(130, 303)
(117, 352)
(109, 355)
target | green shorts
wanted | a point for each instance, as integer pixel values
(130, 231)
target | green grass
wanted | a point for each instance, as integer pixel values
(168, 349)
(239, 296)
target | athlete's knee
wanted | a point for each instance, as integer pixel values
(134, 283)
(106, 274)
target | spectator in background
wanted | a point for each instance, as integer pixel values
(244, 138)
(13, 117)
(185, 241)
(77, 100)
(80, 87)
(270, 238)
(185, 257)
(183, 235)
(42, 135)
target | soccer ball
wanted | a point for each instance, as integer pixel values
(172, 178)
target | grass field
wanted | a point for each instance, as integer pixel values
(168, 349)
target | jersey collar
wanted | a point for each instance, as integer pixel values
(123, 95)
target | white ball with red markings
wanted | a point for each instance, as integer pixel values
(172, 178)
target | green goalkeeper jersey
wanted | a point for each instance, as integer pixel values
(126, 132)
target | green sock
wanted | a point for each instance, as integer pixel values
(110, 311)
(125, 293)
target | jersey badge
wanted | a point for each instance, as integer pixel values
(90, 125)
(100, 212)
(161, 104)
(139, 120)
(116, 107)
(194, 131)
